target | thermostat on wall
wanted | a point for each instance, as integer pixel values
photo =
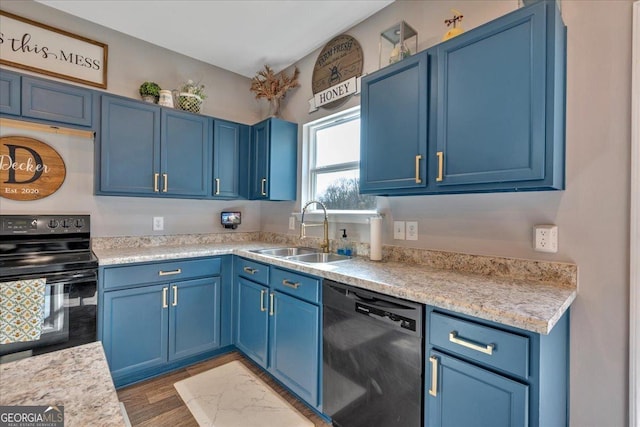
(230, 219)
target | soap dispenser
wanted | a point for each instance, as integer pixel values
(344, 247)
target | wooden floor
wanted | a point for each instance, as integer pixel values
(156, 403)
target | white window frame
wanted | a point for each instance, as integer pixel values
(308, 159)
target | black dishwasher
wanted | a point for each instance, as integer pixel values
(372, 358)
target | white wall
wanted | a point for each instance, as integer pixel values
(592, 214)
(131, 62)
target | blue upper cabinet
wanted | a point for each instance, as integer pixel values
(149, 151)
(129, 147)
(9, 93)
(185, 154)
(481, 112)
(273, 160)
(500, 108)
(230, 144)
(394, 126)
(57, 102)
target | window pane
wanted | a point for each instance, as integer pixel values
(339, 190)
(338, 144)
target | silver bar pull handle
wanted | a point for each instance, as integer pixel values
(175, 296)
(272, 308)
(433, 390)
(486, 349)
(169, 273)
(262, 307)
(250, 270)
(294, 285)
(164, 297)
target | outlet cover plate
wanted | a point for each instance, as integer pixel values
(158, 223)
(545, 238)
(292, 222)
(412, 230)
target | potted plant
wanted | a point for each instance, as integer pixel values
(190, 96)
(150, 92)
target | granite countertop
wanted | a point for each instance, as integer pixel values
(533, 305)
(77, 378)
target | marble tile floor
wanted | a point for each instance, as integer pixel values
(156, 402)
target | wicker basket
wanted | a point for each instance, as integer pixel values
(189, 102)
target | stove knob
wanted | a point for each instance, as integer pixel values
(79, 223)
(66, 223)
(53, 223)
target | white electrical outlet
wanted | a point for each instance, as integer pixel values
(292, 223)
(398, 230)
(412, 230)
(158, 223)
(545, 238)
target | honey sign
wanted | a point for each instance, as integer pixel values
(29, 169)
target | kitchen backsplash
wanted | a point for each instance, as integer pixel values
(523, 269)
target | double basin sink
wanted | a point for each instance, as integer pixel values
(301, 254)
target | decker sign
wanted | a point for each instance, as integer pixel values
(29, 169)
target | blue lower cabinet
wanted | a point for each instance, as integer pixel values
(462, 394)
(280, 331)
(294, 354)
(150, 328)
(252, 327)
(135, 329)
(194, 323)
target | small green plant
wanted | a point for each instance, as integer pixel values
(194, 89)
(150, 89)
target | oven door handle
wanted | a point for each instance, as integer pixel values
(77, 276)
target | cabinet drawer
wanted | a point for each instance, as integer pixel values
(298, 285)
(129, 275)
(255, 271)
(492, 347)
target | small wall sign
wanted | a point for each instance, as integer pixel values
(338, 63)
(37, 47)
(29, 169)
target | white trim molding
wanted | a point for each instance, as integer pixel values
(634, 250)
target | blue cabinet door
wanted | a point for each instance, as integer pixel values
(47, 100)
(129, 147)
(252, 327)
(295, 345)
(259, 162)
(135, 329)
(500, 104)
(274, 160)
(9, 93)
(194, 317)
(230, 145)
(466, 395)
(185, 154)
(394, 128)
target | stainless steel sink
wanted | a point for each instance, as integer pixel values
(319, 257)
(286, 252)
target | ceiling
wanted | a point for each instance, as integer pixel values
(240, 36)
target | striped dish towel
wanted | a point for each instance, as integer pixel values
(21, 310)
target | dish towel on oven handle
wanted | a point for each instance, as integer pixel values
(21, 310)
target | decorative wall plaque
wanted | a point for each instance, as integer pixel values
(37, 47)
(334, 76)
(29, 169)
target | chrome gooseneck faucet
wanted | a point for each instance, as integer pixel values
(325, 243)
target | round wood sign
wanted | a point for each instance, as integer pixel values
(340, 60)
(29, 169)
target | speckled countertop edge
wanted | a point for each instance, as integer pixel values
(527, 304)
(77, 378)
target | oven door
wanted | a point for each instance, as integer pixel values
(69, 314)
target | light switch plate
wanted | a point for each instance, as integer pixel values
(292, 222)
(398, 230)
